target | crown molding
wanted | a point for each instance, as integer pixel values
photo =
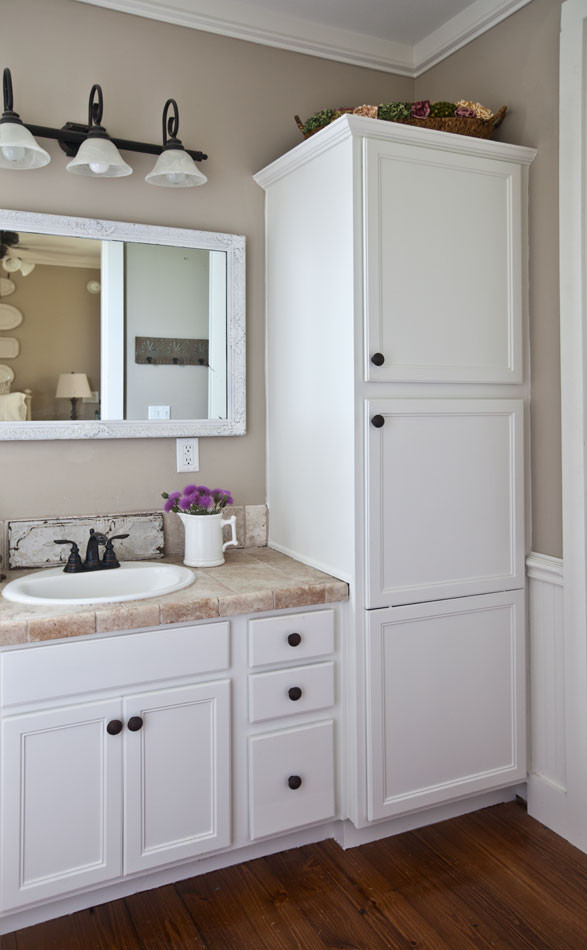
(299, 35)
(460, 30)
(280, 31)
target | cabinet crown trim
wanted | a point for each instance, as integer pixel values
(355, 126)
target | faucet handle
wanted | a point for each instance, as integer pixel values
(74, 562)
(110, 559)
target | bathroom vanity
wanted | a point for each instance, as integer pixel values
(129, 756)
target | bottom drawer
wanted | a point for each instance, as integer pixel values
(291, 778)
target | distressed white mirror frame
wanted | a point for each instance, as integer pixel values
(234, 247)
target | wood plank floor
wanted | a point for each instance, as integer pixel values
(495, 878)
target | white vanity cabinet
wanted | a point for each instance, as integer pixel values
(396, 400)
(91, 791)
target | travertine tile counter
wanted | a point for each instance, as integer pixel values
(251, 580)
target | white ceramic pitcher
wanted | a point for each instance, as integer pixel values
(203, 539)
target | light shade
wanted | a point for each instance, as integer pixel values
(98, 157)
(18, 147)
(174, 168)
(73, 386)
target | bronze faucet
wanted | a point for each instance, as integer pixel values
(75, 565)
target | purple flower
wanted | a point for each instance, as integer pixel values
(420, 110)
(205, 501)
(174, 496)
(169, 505)
(222, 496)
(186, 502)
(203, 489)
(190, 490)
(465, 112)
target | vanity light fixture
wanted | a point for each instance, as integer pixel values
(174, 168)
(93, 152)
(18, 148)
(98, 156)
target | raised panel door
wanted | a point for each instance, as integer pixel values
(446, 701)
(61, 808)
(443, 265)
(177, 778)
(445, 499)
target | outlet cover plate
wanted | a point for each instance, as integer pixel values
(188, 455)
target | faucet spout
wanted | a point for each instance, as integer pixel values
(92, 562)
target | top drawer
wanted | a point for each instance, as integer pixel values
(294, 637)
(117, 662)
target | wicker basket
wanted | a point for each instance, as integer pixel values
(478, 128)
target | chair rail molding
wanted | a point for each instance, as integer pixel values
(573, 291)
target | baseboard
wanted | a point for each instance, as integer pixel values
(547, 803)
(347, 836)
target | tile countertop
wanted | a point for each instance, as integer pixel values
(251, 580)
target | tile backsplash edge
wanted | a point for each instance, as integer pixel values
(251, 526)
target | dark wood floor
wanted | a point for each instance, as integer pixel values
(495, 878)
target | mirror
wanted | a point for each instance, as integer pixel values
(113, 330)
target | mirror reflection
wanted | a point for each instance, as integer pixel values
(111, 330)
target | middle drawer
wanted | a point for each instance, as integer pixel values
(288, 692)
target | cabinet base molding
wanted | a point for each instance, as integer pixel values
(343, 832)
(350, 837)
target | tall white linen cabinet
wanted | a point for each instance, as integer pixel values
(396, 400)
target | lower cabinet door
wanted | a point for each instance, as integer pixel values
(177, 781)
(291, 778)
(446, 701)
(61, 791)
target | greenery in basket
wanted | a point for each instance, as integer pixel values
(197, 500)
(320, 119)
(394, 111)
(442, 110)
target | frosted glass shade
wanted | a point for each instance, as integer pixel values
(98, 158)
(18, 148)
(27, 268)
(12, 264)
(73, 386)
(175, 169)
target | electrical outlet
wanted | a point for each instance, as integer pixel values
(188, 455)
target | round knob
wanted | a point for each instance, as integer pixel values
(378, 359)
(294, 693)
(294, 639)
(377, 421)
(114, 727)
(294, 781)
(135, 723)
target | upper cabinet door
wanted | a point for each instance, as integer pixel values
(445, 498)
(177, 781)
(443, 266)
(61, 801)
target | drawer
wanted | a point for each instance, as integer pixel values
(291, 778)
(64, 669)
(287, 692)
(293, 637)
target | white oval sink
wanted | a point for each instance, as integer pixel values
(133, 580)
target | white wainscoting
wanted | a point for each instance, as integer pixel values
(547, 798)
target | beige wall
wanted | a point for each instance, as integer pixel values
(516, 63)
(237, 102)
(60, 333)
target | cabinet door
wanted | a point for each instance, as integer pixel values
(61, 807)
(443, 278)
(445, 499)
(177, 774)
(446, 685)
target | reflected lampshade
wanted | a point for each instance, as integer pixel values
(73, 386)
